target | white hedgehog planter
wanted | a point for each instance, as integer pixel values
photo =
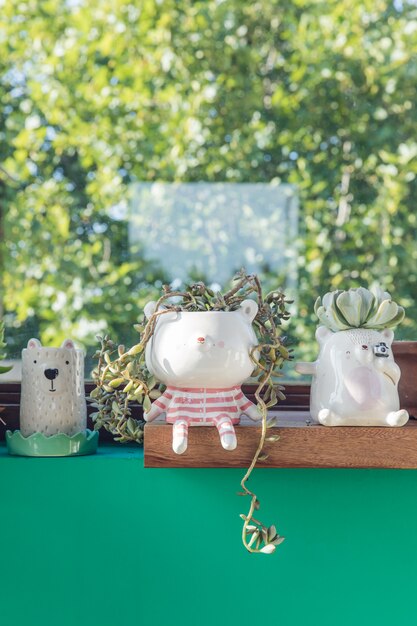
(53, 411)
(355, 379)
(203, 358)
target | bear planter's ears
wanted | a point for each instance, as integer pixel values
(388, 335)
(68, 344)
(34, 343)
(249, 309)
(322, 334)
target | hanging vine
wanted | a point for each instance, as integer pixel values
(122, 377)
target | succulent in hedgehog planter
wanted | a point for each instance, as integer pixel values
(196, 348)
(355, 378)
(53, 411)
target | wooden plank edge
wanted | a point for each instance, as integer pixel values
(298, 447)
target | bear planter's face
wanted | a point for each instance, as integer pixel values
(52, 389)
(51, 370)
(202, 349)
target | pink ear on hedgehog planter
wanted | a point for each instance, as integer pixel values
(68, 344)
(34, 343)
(322, 334)
(388, 335)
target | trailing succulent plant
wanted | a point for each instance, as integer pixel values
(121, 376)
(358, 308)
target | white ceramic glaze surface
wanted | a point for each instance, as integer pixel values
(53, 398)
(355, 379)
(203, 358)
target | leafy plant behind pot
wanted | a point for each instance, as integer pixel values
(122, 376)
(3, 368)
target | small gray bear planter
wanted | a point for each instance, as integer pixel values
(53, 410)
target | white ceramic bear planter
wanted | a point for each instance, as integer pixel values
(203, 358)
(355, 379)
(53, 399)
(53, 411)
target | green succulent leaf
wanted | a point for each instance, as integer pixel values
(329, 317)
(386, 312)
(349, 304)
(367, 303)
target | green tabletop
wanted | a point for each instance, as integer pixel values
(101, 541)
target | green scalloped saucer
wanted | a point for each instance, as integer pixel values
(38, 444)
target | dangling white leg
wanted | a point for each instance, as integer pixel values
(227, 433)
(397, 418)
(180, 436)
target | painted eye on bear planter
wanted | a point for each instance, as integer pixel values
(53, 413)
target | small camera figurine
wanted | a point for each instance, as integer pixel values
(381, 349)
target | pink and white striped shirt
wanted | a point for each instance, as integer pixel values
(201, 406)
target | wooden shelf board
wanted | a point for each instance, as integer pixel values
(301, 444)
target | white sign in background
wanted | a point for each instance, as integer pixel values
(214, 229)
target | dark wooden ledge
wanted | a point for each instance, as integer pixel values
(300, 444)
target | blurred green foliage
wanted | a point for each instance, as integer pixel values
(97, 94)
